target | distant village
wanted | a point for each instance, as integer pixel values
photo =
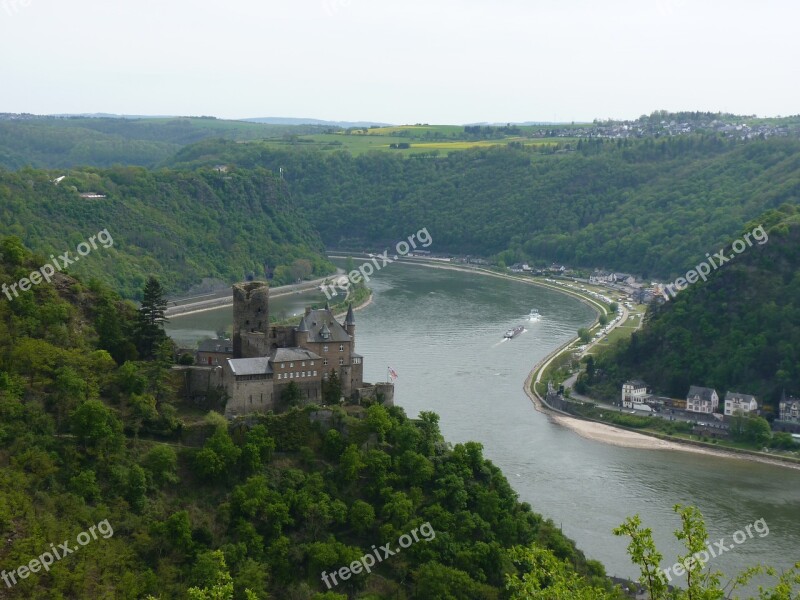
(702, 406)
(672, 125)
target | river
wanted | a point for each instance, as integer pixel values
(441, 331)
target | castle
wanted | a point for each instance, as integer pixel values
(262, 360)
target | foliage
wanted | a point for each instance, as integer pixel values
(738, 331)
(179, 227)
(617, 205)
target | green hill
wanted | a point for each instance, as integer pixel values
(162, 499)
(179, 226)
(646, 206)
(738, 331)
(60, 142)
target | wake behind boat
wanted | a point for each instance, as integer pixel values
(512, 333)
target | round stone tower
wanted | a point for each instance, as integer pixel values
(250, 318)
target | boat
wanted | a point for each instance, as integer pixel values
(512, 333)
(534, 315)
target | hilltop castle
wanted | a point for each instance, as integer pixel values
(262, 360)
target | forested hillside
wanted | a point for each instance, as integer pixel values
(738, 331)
(182, 501)
(650, 207)
(59, 142)
(180, 226)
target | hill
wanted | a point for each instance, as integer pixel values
(182, 227)
(738, 331)
(162, 497)
(69, 141)
(645, 206)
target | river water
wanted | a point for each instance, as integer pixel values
(441, 331)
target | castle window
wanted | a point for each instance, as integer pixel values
(341, 347)
(325, 362)
(312, 363)
(304, 363)
(341, 361)
(315, 373)
(291, 365)
(324, 348)
(291, 375)
(283, 365)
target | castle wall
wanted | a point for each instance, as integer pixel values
(369, 393)
(248, 396)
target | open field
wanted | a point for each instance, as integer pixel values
(359, 143)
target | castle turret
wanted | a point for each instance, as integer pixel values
(250, 319)
(301, 333)
(350, 323)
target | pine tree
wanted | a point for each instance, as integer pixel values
(151, 318)
(332, 389)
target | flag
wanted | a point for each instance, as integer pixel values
(392, 373)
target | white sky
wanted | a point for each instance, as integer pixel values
(432, 61)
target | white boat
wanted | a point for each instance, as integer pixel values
(512, 333)
(534, 315)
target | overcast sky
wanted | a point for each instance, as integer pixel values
(432, 61)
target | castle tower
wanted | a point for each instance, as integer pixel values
(250, 319)
(350, 323)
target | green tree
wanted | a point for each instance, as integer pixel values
(301, 269)
(584, 335)
(292, 394)
(362, 516)
(546, 577)
(151, 318)
(162, 464)
(332, 389)
(96, 427)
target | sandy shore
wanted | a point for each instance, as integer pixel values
(607, 434)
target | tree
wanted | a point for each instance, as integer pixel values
(162, 464)
(151, 318)
(332, 389)
(350, 463)
(362, 516)
(757, 430)
(13, 251)
(590, 369)
(546, 577)
(701, 583)
(584, 335)
(218, 455)
(96, 427)
(301, 269)
(292, 394)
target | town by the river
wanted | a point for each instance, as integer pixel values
(442, 333)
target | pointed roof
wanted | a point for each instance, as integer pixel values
(350, 319)
(325, 333)
(302, 327)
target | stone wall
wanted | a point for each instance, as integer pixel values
(369, 393)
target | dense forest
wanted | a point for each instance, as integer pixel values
(650, 207)
(738, 331)
(188, 506)
(182, 227)
(61, 142)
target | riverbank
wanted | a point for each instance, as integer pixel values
(622, 437)
(599, 431)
